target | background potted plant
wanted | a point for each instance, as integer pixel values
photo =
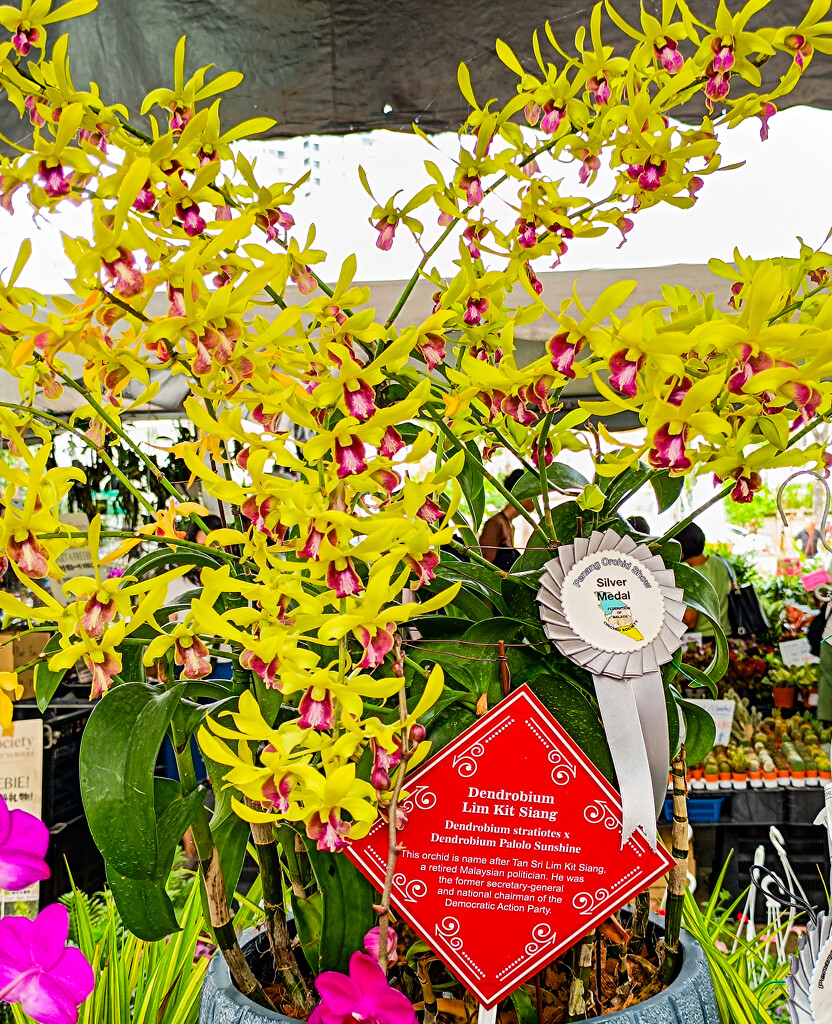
(331, 698)
(783, 683)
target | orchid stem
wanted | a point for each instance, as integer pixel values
(392, 839)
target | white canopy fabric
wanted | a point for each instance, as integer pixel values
(557, 285)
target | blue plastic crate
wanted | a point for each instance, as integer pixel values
(701, 811)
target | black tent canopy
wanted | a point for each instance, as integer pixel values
(337, 66)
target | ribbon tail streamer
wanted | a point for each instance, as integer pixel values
(620, 715)
(652, 713)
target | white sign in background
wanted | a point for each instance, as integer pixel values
(21, 784)
(722, 712)
(797, 652)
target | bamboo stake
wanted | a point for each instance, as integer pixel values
(210, 868)
(677, 880)
(576, 1008)
(276, 928)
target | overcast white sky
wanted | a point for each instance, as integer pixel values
(783, 191)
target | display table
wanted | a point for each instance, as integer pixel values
(744, 822)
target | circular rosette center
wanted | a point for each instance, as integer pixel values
(613, 602)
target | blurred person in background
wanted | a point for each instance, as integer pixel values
(715, 571)
(497, 536)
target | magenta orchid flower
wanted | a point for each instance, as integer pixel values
(535, 283)
(312, 548)
(563, 352)
(526, 233)
(590, 165)
(599, 89)
(745, 486)
(372, 944)
(276, 793)
(377, 645)
(23, 842)
(807, 400)
(25, 38)
(104, 665)
(548, 454)
(146, 199)
(623, 373)
(430, 511)
(316, 712)
(552, 117)
(472, 186)
(364, 995)
(192, 654)
(304, 278)
(330, 835)
(768, 111)
(98, 614)
(723, 56)
(678, 391)
(801, 48)
(345, 582)
(717, 87)
(49, 979)
(472, 236)
(350, 457)
(748, 368)
(391, 443)
(474, 310)
(129, 280)
(56, 181)
(360, 401)
(423, 568)
(650, 175)
(27, 554)
(625, 226)
(668, 451)
(35, 117)
(192, 222)
(386, 228)
(384, 762)
(667, 54)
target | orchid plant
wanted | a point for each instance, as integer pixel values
(380, 492)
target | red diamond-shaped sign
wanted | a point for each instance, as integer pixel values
(512, 849)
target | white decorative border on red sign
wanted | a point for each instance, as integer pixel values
(544, 943)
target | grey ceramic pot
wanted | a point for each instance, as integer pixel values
(689, 999)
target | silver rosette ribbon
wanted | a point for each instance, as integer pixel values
(611, 606)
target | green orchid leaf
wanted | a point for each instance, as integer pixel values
(700, 731)
(448, 725)
(47, 681)
(118, 756)
(619, 488)
(143, 904)
(667, 488)
(451, 569)
(442, 627)
(536, 555)
(347, 900)
(472, 483)
(700, 594)
(525, 1010)
(575, 713)
(132, 665)
(158, 561)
